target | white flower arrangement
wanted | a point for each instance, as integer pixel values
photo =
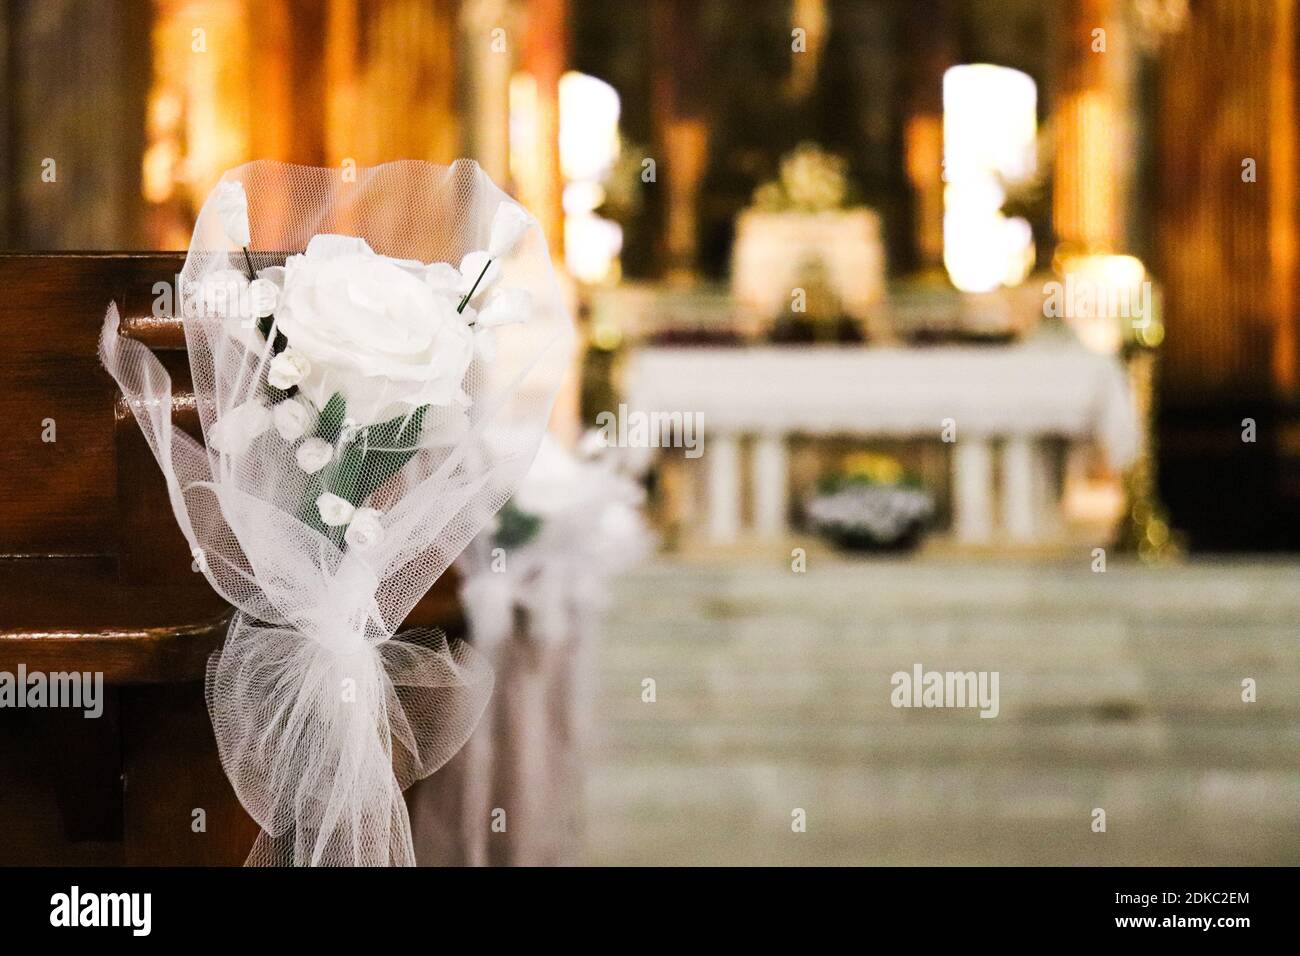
(871, 502)
(360, 339)
(575, 522)
(234, 432)
(365, 530)
(360, 426)
(883, 514)
(314, 454)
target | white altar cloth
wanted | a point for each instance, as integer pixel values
(1015, 395)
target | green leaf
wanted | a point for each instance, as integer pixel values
(515, 527)
(375, 455)
(385, 448)
(398, 432)
(330, 422)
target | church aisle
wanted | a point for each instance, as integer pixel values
(1120, 691)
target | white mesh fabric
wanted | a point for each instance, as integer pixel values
(321, 716)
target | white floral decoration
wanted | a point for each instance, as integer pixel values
(365, 530)
(288, 369)
(509, 224)
(291, 418)
(314, 454)
(504, 307)
(235, 431)
(372, 329)
(262, 297)
(334, 511)
(472, 268)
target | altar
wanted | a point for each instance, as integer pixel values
(997, 406)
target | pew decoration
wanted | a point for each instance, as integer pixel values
(534, 587)
(374, 360)
(573, 524)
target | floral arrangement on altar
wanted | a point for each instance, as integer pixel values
(374, 360)
(871, 503)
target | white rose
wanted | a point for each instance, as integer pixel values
(334, 511)
(314, 454)
(372, 329)
(291, 418)
(234, 431)
(288, 369)
(364, 531)
(232, 207)
(555, 482)
(509, 224)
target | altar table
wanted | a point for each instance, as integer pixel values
(983, 399)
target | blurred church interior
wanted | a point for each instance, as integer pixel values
(967, 293)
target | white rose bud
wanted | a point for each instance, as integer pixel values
(364, 531)
(235, 431)
(291, 419)
(314, 454)
(232, 207)
(262, 296)
(508, 226)
(288, 369)
(478, 271)
(334, 511)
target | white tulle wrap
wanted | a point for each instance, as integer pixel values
(590, 529)
(322, 712)
(527, 757)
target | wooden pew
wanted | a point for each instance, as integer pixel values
(95, 576)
